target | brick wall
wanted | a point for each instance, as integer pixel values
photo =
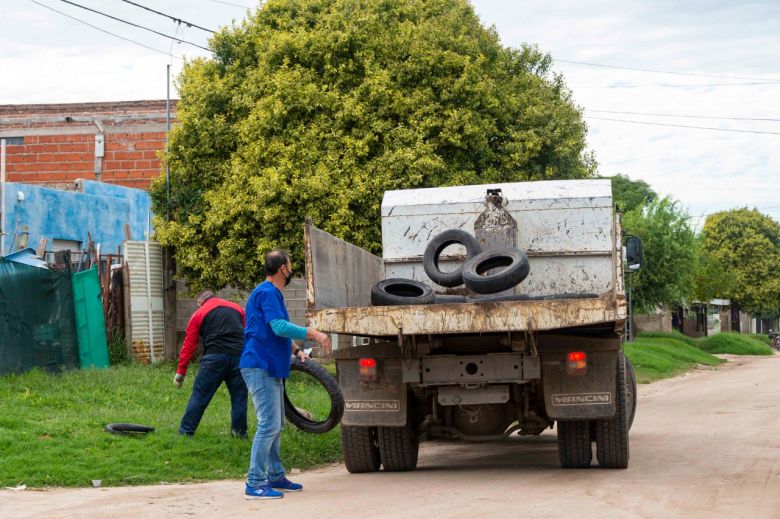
(58, 142)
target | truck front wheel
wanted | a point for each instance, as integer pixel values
(612, 435)
(360, 448)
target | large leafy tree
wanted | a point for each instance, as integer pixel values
(667, 276)
(744, 244)
(316, 107)
(629, 194)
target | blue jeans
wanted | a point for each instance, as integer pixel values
(267, 393)
(214, 369)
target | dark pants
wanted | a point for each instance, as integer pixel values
(216, 368)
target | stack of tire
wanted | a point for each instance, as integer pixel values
(483, 272)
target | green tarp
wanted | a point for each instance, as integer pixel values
(90, 323)
(37, 325)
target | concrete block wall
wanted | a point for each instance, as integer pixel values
(294, 297)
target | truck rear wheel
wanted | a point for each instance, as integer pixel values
(574, 450)
(612, 435)
(630, 393)
(398, 447)
(360, 449)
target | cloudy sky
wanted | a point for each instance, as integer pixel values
(722, 58)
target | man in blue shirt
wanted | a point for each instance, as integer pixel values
(265, 363)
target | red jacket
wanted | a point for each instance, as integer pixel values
(220, 323)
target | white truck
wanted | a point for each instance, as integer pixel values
(475, 367)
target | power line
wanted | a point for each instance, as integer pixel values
(134, 24)
(105, 31)
(680, 125)
(230, 3)
(683, 115)
(177, 20)
(683, 85)
(657, 71)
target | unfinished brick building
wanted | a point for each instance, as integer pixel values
(112, 142)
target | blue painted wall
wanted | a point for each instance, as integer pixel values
(100, 209)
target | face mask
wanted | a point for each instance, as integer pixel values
(287, 278)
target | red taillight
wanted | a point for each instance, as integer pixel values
(367, 363)
(576, 363)
(367, 370)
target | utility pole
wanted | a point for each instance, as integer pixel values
(2, 197)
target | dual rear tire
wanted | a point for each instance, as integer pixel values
(365, 449)
(610, 436)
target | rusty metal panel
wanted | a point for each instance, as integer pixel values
(468, 317)
(147, 323)
(338, 273)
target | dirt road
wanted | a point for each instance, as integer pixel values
(703, 445)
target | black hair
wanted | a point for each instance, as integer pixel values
(274, 260)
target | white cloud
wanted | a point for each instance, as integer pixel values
(49, 58)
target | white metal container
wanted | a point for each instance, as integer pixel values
(565, 227)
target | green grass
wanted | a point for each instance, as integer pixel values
(51, 431)
(655, 358)
(760, 337)
(734, 343)
(674, 334)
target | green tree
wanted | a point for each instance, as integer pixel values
(667, 276)
(317, 107)
(629, 194)
(745, 244)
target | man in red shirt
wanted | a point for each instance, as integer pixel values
(220, 324)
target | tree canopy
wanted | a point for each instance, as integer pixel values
(629, 194)
(745, 244)
(667, 276)
(316, 107)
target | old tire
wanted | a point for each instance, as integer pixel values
(630, 393)
(399, 446)
(612, 448)
(448, 299)
(128, 429)
(574, 449)
(512, 262)
(303, 420)
(434, 250)
(398, 291)
(360, 449)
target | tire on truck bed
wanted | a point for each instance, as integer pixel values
(612, 448)
(360, 449)
(574, 449)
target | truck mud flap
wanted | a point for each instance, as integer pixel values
(579, 397)
(380, 403)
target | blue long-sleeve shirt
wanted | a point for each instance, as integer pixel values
(288, 330)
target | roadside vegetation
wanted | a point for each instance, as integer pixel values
(51, 431)
(734, 343)
(662, 355)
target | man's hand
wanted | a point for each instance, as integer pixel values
(324, 340)
(301, 354)
(177, 380)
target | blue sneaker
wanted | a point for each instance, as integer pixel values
(262, 492)
(285, 485)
